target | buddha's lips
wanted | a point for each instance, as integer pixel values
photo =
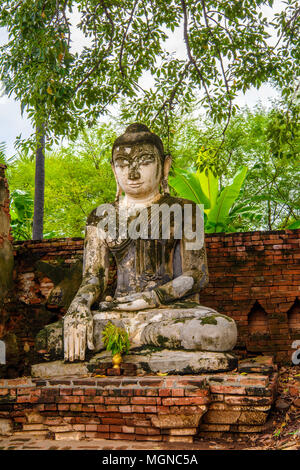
(135, 185)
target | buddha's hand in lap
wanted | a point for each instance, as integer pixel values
(132, 302)
(78, 332)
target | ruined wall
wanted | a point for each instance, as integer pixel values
(6, 268)
(254, 278)
(6, 254)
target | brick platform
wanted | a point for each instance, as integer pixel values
(148, 408)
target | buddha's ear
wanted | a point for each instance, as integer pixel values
(165, 175)
(167, 166)
(119, 190)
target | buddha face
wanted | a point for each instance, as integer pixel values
(138, 169)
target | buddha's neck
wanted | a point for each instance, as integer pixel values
(130, 201)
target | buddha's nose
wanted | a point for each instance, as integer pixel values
(134, 173)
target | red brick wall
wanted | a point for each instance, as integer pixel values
(254, 278)
(137, 408)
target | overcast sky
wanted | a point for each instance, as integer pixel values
(13, 124)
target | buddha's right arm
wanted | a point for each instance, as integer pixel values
(95, 270)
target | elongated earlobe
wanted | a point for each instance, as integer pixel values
(118, 193)
(119, 190)
(164, 182)
(164, 186)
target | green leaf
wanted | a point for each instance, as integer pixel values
(294, 225)
(188, 186)
(209, 185)
(219, 214)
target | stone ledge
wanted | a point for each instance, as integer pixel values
(148, 361)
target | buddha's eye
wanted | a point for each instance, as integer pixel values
(122, 162)
(146, 159)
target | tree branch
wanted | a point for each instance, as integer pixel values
(92, 70)
(189, 53)
(169, 101)
(224, 78)
(125, 36)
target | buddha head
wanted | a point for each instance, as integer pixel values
(139, 164)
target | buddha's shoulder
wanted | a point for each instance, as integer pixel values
(100, 212)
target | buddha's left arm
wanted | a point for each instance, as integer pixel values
(193, 278)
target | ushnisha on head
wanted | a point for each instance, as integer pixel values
(139, 163)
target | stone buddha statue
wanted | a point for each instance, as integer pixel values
(159, 274)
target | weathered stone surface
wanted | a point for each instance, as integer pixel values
(249, 407)
(177, 361)
(50, 340)
(260, 364)
(34, 427)
(159, 274)
(165, 361)
(198, 329)
(235, 417)
(12, 353)
(219, 430)
(66, 282)
(214, 427)
(69, 436)
(5, 427)
(33, 416)
(178, 439)
(58, 368)
(172, 421)
(182, 432)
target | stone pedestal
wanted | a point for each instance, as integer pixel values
(149, 408)
(148, 360)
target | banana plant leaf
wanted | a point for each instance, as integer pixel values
(188, 186)
(219, 214)
(209, 186)
(294, 225)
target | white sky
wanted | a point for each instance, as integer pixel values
(13, 124)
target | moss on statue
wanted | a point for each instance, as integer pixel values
(211, 320)
(162, 341)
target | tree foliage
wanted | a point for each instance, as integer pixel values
(228, 48)
(271, 157)
(79, 177)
